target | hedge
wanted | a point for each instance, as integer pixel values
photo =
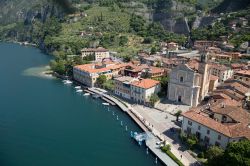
(172, 156)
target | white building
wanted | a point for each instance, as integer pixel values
(99, 53)
(218, 124)
(123, 86)
(222, 72)
(142, 90)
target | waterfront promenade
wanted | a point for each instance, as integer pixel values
(151, 143)
(146, 123)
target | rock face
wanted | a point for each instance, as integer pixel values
(25, 11)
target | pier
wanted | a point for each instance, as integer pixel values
(152, 138)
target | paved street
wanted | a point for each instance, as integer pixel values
(162, 123)
(171, 107)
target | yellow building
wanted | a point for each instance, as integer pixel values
(99, 53)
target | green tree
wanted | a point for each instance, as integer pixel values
(101, 80)
(191, 142)
(58, 66)
(178, 114)
(213, 153)
(153, 99)
(236, 153)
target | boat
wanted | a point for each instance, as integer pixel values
(86, 94)
(79, 91)
(96, 96)
(78, 87)
(105, 103)
(67, 82)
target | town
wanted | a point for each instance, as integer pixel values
(195, 98)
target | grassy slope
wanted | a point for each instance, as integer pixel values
(113, 21)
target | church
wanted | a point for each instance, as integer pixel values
(189, 83)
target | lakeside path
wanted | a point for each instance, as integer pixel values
(147, 124)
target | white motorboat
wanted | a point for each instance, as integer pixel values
(78, 87)
(86, 94)
(67, 82)
(79, 91)
(105, 103)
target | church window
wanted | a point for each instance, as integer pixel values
(181, 79)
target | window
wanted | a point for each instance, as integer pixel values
(199, 127)
(219, 137)
(217, 143)
(181, 79)
(190, 123)
(208, 131)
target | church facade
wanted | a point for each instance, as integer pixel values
(189, 84)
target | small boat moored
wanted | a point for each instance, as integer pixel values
(86, 94)
(105, 104)
(78, 87)
(79, 91)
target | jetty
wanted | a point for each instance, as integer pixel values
(108, 101)
(151, 139)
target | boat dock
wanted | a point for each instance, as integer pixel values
(152, 139)
(108, 101)
(89, 91)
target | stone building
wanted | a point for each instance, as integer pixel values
(189, 83)
(99, 53)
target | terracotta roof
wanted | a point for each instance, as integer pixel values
(243, 72)
(145, 83)
(136, 68)
(212, 77)
(155, 70)
(204, 119)
(220, 67)
(193, 64)
(124, 79)
(91, 68)
(234, 130)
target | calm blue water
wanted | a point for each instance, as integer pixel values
(45, 123)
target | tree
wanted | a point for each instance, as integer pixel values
(177, 114)
(101, 80)
(153, 99)
(191, 142)
(58, 66)
(236, 153)
(213, 153)
(127, 58)
(153, 50)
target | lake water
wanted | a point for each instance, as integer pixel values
(46, 123)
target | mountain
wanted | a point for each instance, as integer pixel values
(124, 26)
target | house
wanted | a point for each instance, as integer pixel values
(172, 46)
(142, 90)
(153, 72)
(243, 75)
(171, 63)
(99, 53)
(152, 60)
(134, 70)
(221, 71)
(87, 74)
(123, 86)
(189, 83)
(217, 123)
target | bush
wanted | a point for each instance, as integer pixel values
(166, 149)
(201, 155)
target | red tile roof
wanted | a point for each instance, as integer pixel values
(145, 83)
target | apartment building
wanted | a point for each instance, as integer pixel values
(99, 53)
